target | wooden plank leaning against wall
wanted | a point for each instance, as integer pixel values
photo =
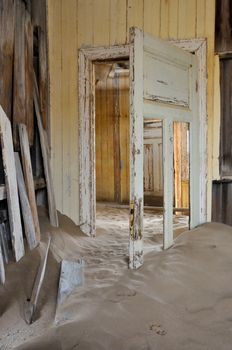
(7, 18)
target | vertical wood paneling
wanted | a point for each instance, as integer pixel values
(200, 19)
(111, 149)
(29, 76)
(19, 88)
(55, 66)
(118, 27)
(173, 19)
(216, 120)
(124, 141)
(152, 17)
(85, 27)
(7, 20)
(98, 102)
(112, 135)
(74, 181)
(69, 98)
(103, 22)
(105, 114)
(135, 13)
(209, 33)
(164, 17)
(187, 19)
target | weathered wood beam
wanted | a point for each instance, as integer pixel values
(11, 185)
(4, 243)
(46, 161)
(28, 176)
(25, 206)
(2, 268)
(32, 305)
(7, 22)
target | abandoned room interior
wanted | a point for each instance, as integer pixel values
(115, 174)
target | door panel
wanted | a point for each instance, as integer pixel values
(163, 85)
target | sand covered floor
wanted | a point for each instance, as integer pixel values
(180, 299)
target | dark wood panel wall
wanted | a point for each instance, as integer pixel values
(22, 40)
(226, 117)
(222, 201)
(223, 26)
(222, 189)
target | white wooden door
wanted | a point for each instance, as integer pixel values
(163, 85)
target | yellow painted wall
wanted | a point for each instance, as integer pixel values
(76, 23)
(107, 92)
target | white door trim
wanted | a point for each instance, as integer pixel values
(199, 48)
(87, 171)
(87, 176)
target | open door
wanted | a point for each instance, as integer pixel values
(163, 85)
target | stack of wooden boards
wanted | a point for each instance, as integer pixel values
(23, 46)
(20, 186)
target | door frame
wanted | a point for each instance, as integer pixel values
(87, 171)
(87, 149)
(199, 48)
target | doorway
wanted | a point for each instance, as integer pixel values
(147, 103)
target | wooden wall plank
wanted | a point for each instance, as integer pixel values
(124, 140)
(74, 137)
(222, 203)
(200, 19)
(217, 118)
(43, 77)
(117, 22)
(226, 122)
(164, 18)
(7, 22)
(32, 305)
(209, 33)
(113, 153)
(46, 161)
(19, 105)
(187, 19)
(152, 17)
(4, 242)
(135, 15)
(29, 76)
(69, 95)
(2, 268)
(85, 28)
(112, 139)
(23, 69)
(25, 206)
(116, 139)
(173, 22)
(223, 26)
(101, 22)
(55, 66)
(11, 186)
(98, 144)
(28, 176)
(191, 15)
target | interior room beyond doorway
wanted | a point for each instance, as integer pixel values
(113, 163)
